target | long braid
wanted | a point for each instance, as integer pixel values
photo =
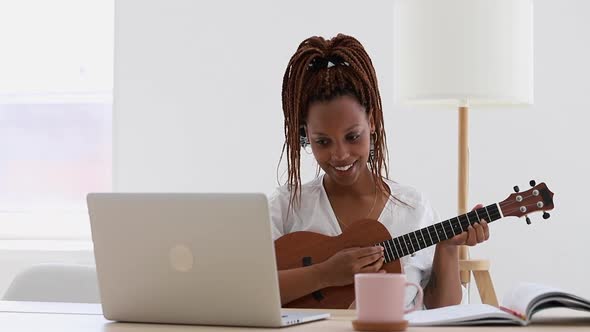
(303, 84)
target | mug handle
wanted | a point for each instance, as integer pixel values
(420, 296)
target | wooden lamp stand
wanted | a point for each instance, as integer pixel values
(480, 268)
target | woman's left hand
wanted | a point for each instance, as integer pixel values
(475, 234)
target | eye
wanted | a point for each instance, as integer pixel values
(321, 141)
(353, 137)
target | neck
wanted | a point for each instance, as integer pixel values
(364, 186)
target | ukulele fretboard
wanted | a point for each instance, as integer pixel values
(409, 243)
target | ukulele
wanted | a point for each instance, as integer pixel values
(299, 249)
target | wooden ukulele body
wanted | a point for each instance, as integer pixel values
(300, 249)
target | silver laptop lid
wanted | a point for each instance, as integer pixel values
(185, 258)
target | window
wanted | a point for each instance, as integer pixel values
(55, 115)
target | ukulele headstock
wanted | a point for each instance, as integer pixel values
(538, 198)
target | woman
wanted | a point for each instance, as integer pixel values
(331, 104)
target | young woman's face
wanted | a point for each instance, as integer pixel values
(339, 133)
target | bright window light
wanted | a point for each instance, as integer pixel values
(55, 114)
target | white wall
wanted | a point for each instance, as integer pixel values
(198, 108)
(199, 95)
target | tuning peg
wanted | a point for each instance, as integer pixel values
(546, 215)
(516, 189)
(528, 221)
(533, 183)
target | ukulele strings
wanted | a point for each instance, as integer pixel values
(506, 208)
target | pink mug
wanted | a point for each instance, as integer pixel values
(380, 297)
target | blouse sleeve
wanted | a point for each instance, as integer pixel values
(277, 213)
(419, 266)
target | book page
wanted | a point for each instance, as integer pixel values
(525, 299)
(463, 314)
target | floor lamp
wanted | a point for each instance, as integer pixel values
(464, 53)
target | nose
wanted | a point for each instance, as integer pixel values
(340, 152)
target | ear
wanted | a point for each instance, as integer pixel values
(371, 121)
(303, 130)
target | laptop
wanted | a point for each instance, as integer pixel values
(205, 259)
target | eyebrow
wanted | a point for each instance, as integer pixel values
(348, 129)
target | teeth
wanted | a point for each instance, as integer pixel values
(344, 168)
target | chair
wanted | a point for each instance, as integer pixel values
(55, 283)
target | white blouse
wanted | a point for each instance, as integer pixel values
(315, 214)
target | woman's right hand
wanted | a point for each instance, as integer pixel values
(339, 270)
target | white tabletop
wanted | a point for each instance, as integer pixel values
(66, 317)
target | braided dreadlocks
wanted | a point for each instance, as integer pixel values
(321, 70)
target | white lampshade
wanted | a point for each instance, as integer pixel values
(463, 51)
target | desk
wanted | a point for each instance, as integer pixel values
(44, 317)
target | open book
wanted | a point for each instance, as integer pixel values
(517, 308)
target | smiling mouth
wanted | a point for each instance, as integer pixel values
(344, 168)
